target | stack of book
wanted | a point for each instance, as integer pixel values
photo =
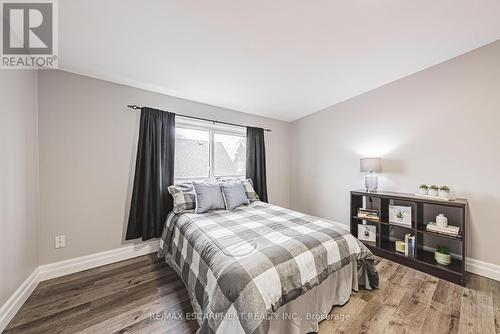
(368, 214)
(451, 230)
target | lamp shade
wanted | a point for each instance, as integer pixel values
(370, 165)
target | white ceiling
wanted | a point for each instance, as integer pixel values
(282, 59)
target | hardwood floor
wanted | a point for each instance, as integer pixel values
(121, 297)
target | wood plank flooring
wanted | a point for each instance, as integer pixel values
(125, 297)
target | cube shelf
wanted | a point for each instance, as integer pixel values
(423, 211)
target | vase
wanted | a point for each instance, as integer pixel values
(423, 191)
(441, 221)
(444, 259)
(433, 192)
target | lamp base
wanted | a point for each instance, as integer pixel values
(371, 183)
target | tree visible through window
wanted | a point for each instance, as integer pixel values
(203, 152)
(229, 155)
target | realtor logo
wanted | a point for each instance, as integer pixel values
(29, 34)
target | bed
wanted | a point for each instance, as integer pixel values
(262, 268)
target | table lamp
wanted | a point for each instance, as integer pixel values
(370, 166)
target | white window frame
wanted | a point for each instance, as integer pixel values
(212, 128)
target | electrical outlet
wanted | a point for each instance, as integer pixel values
(60, 241)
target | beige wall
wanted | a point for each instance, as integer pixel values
(87, 153)
(18, 180)
(439, 126)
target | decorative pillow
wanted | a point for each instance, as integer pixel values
(184, 197)
(250, 192)
(234, 195)
(208, 197)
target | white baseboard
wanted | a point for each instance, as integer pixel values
(61, 268)
(14, 303)
(482, 268)
(478, 267)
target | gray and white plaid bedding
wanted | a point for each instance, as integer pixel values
(240, 266)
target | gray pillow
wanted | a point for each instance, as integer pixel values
(184, 197)
(250, 192)
(208, 197)
(234, 195)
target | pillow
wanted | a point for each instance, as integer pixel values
(234, 195)
(184, 197)
(208, 197)
(250, 192)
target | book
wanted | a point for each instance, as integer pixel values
(450, 230)
(414, 247)
(443, 232)
(409, 245)
(407, 236)
(368, 214)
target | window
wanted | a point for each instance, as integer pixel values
(207, 151)
(192, 153)
(229, 154)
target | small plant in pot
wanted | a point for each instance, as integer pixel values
(442, 255)
(444, 191)
(400, 215)
(423, 189)
(433, 190)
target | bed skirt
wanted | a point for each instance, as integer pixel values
(303, 314)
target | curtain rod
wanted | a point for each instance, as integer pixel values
(136, 107)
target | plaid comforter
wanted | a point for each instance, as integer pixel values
(240, 266)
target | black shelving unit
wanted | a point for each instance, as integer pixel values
(423, 210)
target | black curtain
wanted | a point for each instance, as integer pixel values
(256, 161)
(154, 172)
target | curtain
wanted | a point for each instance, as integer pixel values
(256, 161)
(154, 172)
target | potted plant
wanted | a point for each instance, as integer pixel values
(442, 255)
(423, 189)
(444, 192)
(433, 190)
